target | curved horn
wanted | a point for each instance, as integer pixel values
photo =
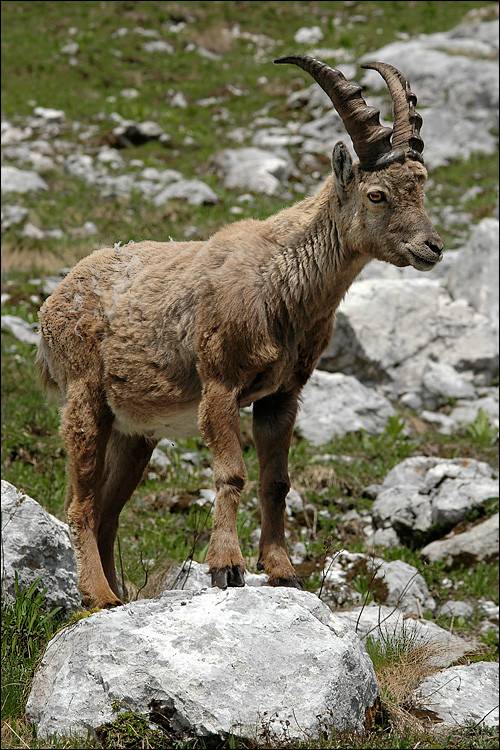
(371, 140)
(407, 121)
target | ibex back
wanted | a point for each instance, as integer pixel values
(154, 339)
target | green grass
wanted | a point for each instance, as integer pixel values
(27, 625)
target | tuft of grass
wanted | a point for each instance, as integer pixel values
(27, 625)
(481, 431)
(401, 662)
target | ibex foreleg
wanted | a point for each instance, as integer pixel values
(273, 420)
(219, 422)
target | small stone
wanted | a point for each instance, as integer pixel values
(454, 608)
(72, 48)
(159, 461)
(179, 100)
(195, 192)
(308, 35)
(158, 46)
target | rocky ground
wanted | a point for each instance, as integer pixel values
(181, 126)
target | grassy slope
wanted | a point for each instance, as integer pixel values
(35, 71)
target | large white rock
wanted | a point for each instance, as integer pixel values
(334, 404)
(424, 496)
(475, 545)
(241, 661)
(35, 544)
(455, 76)
(254, 169)
(390, 625)
(462, 695)
(16, 180)
(388, 330)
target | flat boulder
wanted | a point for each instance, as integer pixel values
(252, 662)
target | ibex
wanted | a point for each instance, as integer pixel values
(161, 338)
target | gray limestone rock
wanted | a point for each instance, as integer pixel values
(16, 180)
(20, 329)
(249, 661)
(455, 76)
(421, 496)
(389, 330)
(195, 192)
(254, 169)
(334, 404)
(35, 544)
(462, 695)
(475, 545)
(474, 275)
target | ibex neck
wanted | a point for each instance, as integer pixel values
(310, 273)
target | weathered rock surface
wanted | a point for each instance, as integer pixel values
(455, 75)
(389, 624)
(16, 180)
(462, 695)
(195, 192)
(475, 545)
(334, 404)
(35, 544)
(421, 496)
(389, 330)
(241, 661)
(395, 583)
(474, 275)
(20, 329)
(254, 169)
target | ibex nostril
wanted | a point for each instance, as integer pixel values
(436, 248)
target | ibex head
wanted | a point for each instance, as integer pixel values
(380, 200)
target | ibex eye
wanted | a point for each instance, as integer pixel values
(376, 196)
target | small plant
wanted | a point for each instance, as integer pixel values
(401, 661)
(481, 431)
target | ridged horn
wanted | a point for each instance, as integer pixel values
(371, 140)
(407, 121)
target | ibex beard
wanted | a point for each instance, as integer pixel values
(156, 338)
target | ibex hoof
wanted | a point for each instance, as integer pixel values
(233, 576)
(291, 583)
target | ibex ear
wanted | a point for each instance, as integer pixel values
(342, 168)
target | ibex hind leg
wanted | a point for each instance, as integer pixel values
(126, 459)
(86, 427)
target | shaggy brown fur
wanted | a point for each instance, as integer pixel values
(148, 339)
